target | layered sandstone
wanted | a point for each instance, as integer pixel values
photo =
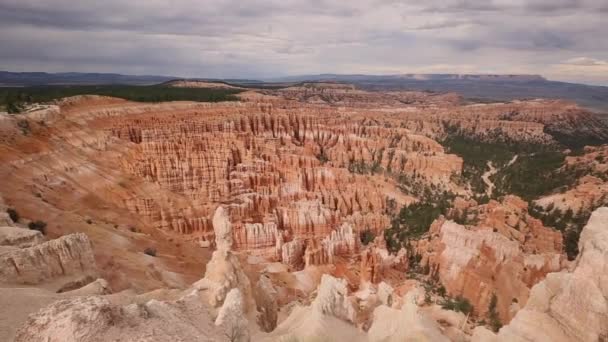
(503, 254)
(295, 176)
(569, 305)
(283, 167)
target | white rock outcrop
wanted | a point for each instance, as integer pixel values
(66, 256)
(332, 299)
(96, 319)
(20, 237)
(406, 324)
(230, 317)
(330, 317)
(224, 271)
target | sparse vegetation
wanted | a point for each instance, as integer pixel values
(415, 220)
(322, 156)
(13, 214)
(543, 162)
(367, 236)
(151, 251)
(494, 322)
(24, 126)
(458, 304)
(569, 223)
(549, 175)
(38, 225)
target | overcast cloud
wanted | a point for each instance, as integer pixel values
(560, 39)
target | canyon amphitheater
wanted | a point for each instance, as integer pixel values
(314, 212)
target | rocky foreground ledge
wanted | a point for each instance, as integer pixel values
(571, 305)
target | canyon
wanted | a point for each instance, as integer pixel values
(310, 211)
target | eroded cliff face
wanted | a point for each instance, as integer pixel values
(569, 305)
(66, 256)
(255, 201)
(501, 252)
(299, 184)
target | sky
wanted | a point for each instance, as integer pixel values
(564, 40)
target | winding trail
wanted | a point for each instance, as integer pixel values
(486, 179)
(491, 172)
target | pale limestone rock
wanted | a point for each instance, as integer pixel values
(266, 302)
(332, 299)
(329, 317)
(223, 230)
(224, 271)
(20, 237)
(66, 256)
(5, 219)
(96, 319)
(98, 287)
(385, 294)
(407, 324)
(230, 317)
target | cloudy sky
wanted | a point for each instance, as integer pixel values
(560, 39)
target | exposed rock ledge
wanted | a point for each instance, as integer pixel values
(65, 256)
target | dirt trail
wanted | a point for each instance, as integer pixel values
(491, 172)
(486, 178)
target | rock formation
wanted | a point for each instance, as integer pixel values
(98, 319)
(19, 237)
(568, 305)
(503, 255)
(406, 324)
(224, 272)
(329, 316)
(274, 193)
(67, 256)
(267, 304)
(231, 318)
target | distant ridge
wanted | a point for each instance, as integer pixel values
(417, 77)
(478, 87)
(484, 87)
(20, 79)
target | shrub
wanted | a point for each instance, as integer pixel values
(441, 291)
(322, 156)
(495, 322)
(38, 225)
(151, 251)
(13, 214)
(24, 125)
(366, 236)
(458, 304)
(14, 107)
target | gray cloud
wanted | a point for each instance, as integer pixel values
(257, 38)
(585, 61)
